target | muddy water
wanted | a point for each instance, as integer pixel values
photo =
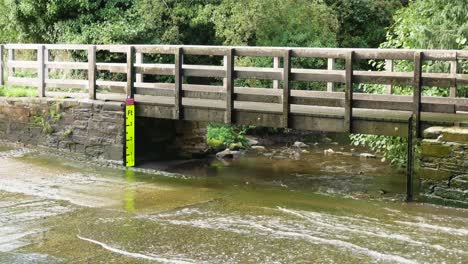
(258, 209)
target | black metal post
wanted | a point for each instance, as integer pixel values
(409, 162)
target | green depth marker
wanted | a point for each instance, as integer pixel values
(130, 132)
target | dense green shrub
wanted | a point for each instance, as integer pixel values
(221, 136)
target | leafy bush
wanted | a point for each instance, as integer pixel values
(222, 136)
(394, 149)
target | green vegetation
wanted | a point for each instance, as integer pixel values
(18, 91)
(431, 24)
(220, 136)
(47, 119)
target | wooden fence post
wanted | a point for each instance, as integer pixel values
(348, 115)
(418, 57)
(454, 71)
(41, 71)
(139, 60)
(2, 78)
(330, 66)
(229, 85)
(286, 87)
(388, 68)
(11, 57)
(130, 88)
(276, 62)
(178, 73)
(92, 72)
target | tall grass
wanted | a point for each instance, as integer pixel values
(17, 91)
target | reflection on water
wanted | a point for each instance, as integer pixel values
(254, 210)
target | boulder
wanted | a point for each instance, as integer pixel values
(252, 141)
(228, 154)
(258, 148)
(299, 144)
(367, 156)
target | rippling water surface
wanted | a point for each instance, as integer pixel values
(255, 210)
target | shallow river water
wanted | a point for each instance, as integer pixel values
(318, 209)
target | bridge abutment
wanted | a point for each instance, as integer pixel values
(443, 168)
(95, 129)
(89, 128)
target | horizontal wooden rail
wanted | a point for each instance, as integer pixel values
(291, 105)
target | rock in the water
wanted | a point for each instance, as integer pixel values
(251, 140)
(367, 156)
(235, 146)
(299, 144)
(327, 140)
(228, 154)
(259, 148)
(329, 152)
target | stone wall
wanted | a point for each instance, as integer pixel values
(91, 128)
(96, 129)
(444, 165)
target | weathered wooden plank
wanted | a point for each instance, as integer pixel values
(229, 69)
(113, 48)
(155, 49)
(389, 54)
(66, 65)
(112, 67)
(258, 73)
(324, 53)
(336, 76)
(2, 66)
(348, 118)
(22, 46)
(417, 84)
(130, 72)
(178, 72)
(286, 88)
(259, 52)
(41, 71)
(66, 47)
(92, 72)
(206, 50)
(31, 82)
(22, 64)
(155, 69)
(63, 83)
(203, 71)
(381, 77)
(114, 86)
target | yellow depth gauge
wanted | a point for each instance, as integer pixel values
(130, 132)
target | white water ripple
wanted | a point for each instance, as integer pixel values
(137, 255)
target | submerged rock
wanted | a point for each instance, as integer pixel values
(367, 156)
(252, 141)
(228, 154)
(329, 152)
(299, 144)
(258, 148)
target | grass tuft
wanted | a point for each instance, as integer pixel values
(20, 91)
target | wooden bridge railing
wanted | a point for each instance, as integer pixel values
(284, 101)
